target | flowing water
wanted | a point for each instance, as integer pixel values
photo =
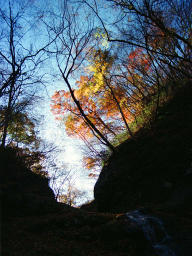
(154, 231)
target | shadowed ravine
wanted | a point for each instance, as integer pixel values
(142, 200)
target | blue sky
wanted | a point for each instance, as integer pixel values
(51, 130)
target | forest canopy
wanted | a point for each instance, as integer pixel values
(117, 61)
(124, 65)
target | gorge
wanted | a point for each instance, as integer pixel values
(142, 198)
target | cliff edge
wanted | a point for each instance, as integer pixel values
(155, 168)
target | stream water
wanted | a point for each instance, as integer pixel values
(154, 231)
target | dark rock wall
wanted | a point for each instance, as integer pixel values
(22, 191)
(150, 169)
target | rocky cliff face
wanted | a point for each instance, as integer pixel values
(22, 191)
(155, 168)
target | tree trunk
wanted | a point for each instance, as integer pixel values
(120, 110)
(87, 120)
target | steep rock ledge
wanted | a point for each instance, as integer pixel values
(22, 191)
(156, 167)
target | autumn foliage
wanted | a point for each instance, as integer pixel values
(106, 100)
(125, 80)
(95, 93)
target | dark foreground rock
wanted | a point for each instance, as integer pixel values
(33, 223)
(155, 168)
